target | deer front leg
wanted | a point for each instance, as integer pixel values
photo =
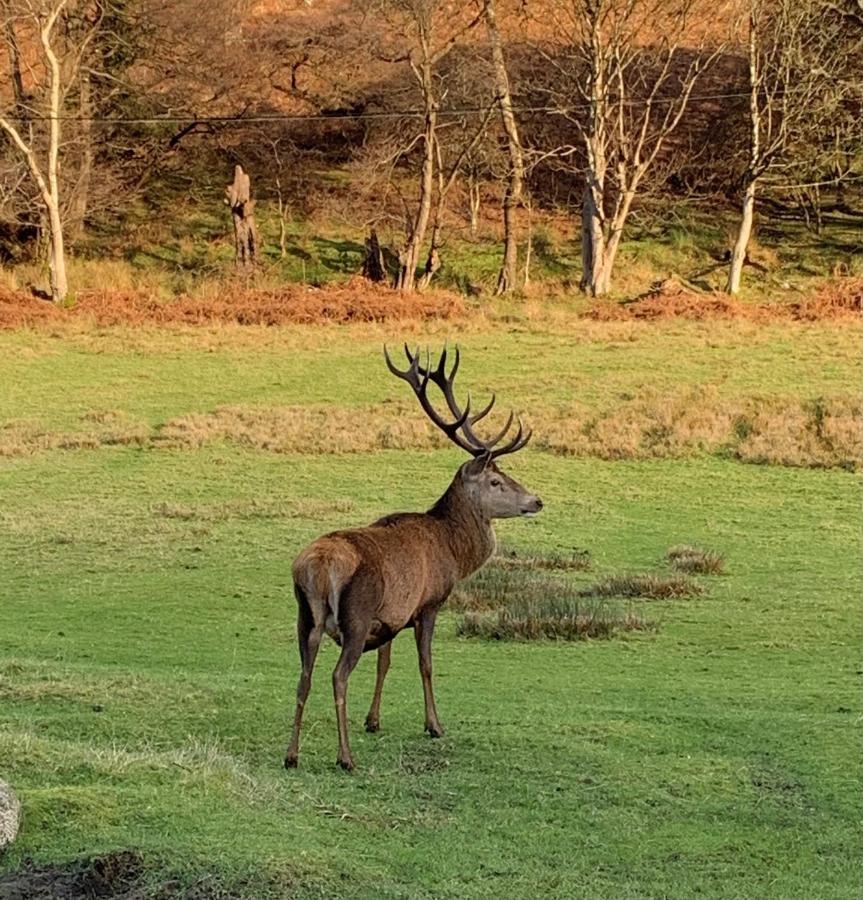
(373, 719)
(423, 631)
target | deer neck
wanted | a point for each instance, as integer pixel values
(470, 534)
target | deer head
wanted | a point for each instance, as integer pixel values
(491, 492)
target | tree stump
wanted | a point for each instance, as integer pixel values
(238, 196)
(374, 267)
(10, 814)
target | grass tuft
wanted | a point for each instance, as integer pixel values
(644, 587)
(563, 617)
(694, 560)
(575, 560)
(513, 603)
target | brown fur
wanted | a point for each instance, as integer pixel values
(363, 586)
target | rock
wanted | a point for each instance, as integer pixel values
(10, 814)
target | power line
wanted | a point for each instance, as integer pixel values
(562, 109)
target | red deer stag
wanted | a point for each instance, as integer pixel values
(363, 586)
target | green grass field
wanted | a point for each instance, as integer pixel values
(148, 657)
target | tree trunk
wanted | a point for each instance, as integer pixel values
(473, 190)
(81, 196)
(738, 254)
(238, 197)
(592, 243)
(283, 220)
(283, 236)
(433, 260)
(59, 285)
(374, 267)
(57, 257)
(602, 284)
(409, 257)
(507, 279)
(46, 180)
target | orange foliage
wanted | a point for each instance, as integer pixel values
(841, 298)
(292, 304)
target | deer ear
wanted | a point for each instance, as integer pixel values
(477, 465)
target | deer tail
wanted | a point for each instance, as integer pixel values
(321, 574)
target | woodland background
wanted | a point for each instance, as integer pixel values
(478, 146)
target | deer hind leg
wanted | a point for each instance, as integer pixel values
(353, 642)
(373, 719)
(423, 632)
(309, 638)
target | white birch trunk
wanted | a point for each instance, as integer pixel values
(738, 254)
(411, 253)
(57, 260)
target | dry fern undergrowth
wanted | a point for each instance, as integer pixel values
(839, 298)
(355, 301)
(360, 301)
(501, 603)
(694, 560)
(820, 433)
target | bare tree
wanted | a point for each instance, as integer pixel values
(64, 57)
(42, 165)
(512, 196)
(447, 173)
(795, 53)
(424, 33)
(624, 73)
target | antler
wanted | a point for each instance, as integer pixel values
(460, 431)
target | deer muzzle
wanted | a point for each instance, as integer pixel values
(531, 506)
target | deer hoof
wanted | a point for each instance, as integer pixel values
(435, 731)
(372, 726)
(346, 764)
(291, 761)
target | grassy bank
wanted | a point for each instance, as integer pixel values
(147, 654)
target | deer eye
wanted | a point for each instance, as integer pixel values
(495, 482)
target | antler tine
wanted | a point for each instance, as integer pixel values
(418, 378)
(481, 415)
(460, 431)
(440, 371)
(446, 384)
(391, 365)
(518, 441)
(502, 433)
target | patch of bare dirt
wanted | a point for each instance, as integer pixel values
(113, 875)
(121, 875)
(837, 299)
(356, 301)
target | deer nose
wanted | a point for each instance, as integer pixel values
(538, 504)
